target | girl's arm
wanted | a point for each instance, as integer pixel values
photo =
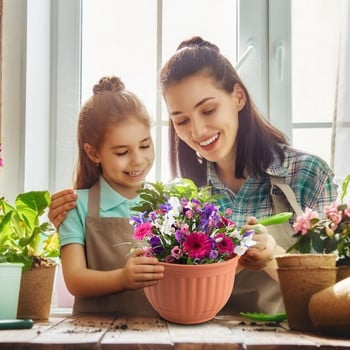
(139, 272)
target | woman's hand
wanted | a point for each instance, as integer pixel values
(61, 202)
(142, 271)
(261, 254)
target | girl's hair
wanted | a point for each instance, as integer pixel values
(110, 104)
(257, 139)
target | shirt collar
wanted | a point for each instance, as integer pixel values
(112, 199)
(275, 169)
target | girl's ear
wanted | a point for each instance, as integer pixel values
(91, 153)
(239, 96)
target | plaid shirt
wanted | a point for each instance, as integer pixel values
(309, 176)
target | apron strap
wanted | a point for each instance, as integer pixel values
(279, 204)
(94, 200)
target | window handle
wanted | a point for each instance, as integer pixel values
(279, 51)
(245, 54)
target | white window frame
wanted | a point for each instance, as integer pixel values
(261, 27)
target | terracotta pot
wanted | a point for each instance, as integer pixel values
(36, 293)
(190, 294)
(300, 278)
(329, 309)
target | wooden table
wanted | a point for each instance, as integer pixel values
(108, 332)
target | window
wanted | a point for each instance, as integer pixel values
(286, 50)
(117, 40)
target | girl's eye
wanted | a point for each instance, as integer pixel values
(145, 146)
(119, 154)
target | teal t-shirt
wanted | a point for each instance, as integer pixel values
(112, 204)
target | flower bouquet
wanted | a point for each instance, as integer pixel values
(198, 246)
(182, 224)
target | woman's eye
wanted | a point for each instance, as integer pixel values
(145, 146)
(181, 122)
(208, 111)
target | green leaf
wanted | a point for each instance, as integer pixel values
(255, 316)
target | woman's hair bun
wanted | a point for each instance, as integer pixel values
(197, 41)
(108, 84)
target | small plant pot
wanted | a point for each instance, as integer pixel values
(190, 294)
(10, 279)
(300, 277)
(36, 293)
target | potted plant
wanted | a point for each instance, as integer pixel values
(28, 239)
(329, 233)
(314, 262)
(198, 245)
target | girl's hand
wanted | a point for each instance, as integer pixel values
(141, 271)
(61, 202)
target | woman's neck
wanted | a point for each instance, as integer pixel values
(227, 176)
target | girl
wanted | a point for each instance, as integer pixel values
(115, 155)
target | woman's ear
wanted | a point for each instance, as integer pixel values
(239, 96)
(91, 153)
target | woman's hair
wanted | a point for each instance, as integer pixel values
(257, 139)
(110, 104)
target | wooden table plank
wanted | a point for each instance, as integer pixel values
(209, 335)
(152, 333)
(84, 330)
(20, 339)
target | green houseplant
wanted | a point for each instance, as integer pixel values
(27, 238)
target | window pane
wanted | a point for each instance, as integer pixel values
(315, 41)
(120, 38)
(304, 139)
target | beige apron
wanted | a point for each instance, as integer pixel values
(255, 291)
(108, 243)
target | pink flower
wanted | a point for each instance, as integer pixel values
(228, 211)
(333, 214)
(142, 231)
(224, 244)
(176, 252)
(198, 245)
(303, 222)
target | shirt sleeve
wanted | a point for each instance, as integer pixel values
(72, 229)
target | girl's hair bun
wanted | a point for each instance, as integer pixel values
(108, 84)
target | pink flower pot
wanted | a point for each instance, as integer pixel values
(190, 294)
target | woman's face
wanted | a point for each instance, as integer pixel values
(205, 117)
(125, 156)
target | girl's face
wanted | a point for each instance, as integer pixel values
(205, 117)
(126, 156)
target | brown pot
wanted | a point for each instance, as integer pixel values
(329, 309)
(36, 293)
(343, 272)
(299, 279)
